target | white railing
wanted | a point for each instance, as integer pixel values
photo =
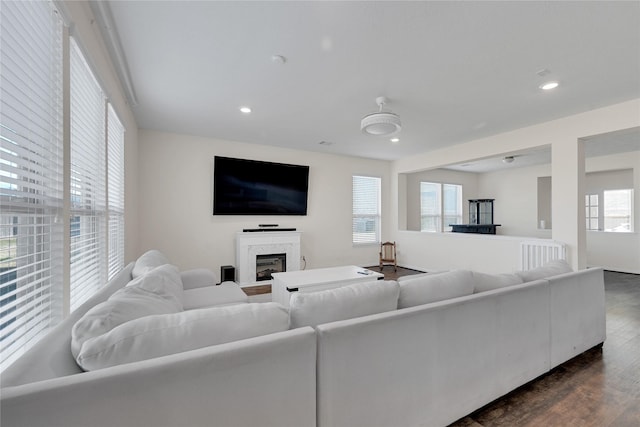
(534, 253)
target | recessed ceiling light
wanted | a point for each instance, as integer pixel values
(395, 140)
(245, 110)
(549, 85)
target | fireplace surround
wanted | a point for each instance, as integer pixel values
(250, 245)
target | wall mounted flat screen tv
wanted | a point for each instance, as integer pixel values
(251, 187)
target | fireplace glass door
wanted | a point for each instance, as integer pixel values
(268, 264)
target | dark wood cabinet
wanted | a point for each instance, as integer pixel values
(474, 228)
(480, 218)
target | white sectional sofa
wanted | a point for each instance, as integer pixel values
(351, 357)
(432, 364)
(238, 383)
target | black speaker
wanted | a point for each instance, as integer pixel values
(227, 273)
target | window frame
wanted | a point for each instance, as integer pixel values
(442, 221)
(46, 216)
(626, 193)
(365, 211)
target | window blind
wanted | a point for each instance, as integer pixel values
(31, 174)
(430, 207)
(88, 175)
(451, 205)
(366, 209)
(115, 192)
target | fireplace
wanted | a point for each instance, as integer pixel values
(270, 263)
(256, 248)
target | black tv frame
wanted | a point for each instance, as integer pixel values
(256, 187)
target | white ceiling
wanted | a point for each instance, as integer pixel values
(453, 71)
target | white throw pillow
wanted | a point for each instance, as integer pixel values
(435, 287)
(157, 292)
(124, 305)
(486, 282)
(164, 281)
(161, 335)
(147, 262)
(550, 269)
(360, 299)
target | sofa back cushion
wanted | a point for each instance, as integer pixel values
(550, 269)
(415, 276)
(435, 287)
(148, 261)
(360, 299)
(161, 335)
(157, 292)
(486, 282)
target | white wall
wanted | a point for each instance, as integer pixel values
(516, 204)
(86, 30)
(568, 200)
(176, 202)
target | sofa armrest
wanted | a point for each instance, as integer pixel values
(578, 313)
(267, 381)
(198, 278)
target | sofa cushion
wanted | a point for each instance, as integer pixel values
(164, 281)
(552, 268)
(157, 292)
(198, 278)
(147, 262)
(360, 299)
(435, 287)
(486, 282)
(415, 276)
(224, 293)
(161, 335)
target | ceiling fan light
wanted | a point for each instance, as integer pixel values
(381, 124)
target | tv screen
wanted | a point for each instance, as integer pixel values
(251, 187)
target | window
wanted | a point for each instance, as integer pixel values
(34, 296)
(430, 207)
(440, 206)
(366, 209)
(31, 174)
(451, 205)
(115, 191)
(618, 210)
(88, 187)
(592, 215)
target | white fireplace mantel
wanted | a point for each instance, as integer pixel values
(251, 244)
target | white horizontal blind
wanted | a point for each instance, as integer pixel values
(451, 205)
(88, 176)
(115, 186)
(366, 209)
(430, 206)
(31, 174)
